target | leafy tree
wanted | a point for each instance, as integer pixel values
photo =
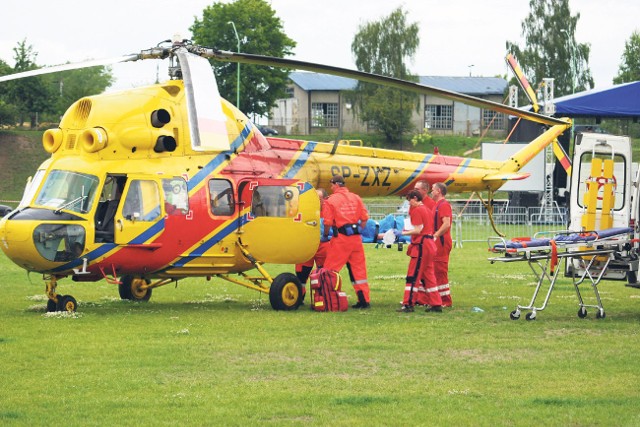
(260, 32)
(629, 70)
(551, 50)
(8, 112)
(32, 95)
(382, 47)
(47, 96)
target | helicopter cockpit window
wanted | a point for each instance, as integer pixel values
(176, 196)
(275, 201)
(142, 202)
(221, 197)
(31, 188)
(67, 190)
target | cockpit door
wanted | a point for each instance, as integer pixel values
(280, 220)
(139, 216)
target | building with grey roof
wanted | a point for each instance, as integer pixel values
(317, 103)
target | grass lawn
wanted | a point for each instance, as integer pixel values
(212, 353)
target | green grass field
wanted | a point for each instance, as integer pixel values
(212, 353)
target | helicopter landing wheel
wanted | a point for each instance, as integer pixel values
(67, 303)
(52, 306)
(132, 288)
(285, 292)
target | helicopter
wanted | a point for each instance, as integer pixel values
(151, 185)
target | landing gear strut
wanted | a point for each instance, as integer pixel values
(56, 301)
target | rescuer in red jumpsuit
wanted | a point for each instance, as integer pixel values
(424, 188)
(442, 236)
(345, 211)
(421, 287)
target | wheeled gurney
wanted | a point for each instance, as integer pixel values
(590, 253)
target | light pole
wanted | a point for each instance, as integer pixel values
(238, 65)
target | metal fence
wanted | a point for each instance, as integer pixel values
(471, 221)
(380, 210)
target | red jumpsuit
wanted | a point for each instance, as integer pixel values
(421, 285)
(342, 209)
(444, 244)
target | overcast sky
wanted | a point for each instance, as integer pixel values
(457, 37)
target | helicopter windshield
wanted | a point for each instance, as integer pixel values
(68, 190)
(31, 187)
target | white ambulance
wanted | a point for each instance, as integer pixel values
(604, 194)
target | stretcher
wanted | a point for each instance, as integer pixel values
(589, 254)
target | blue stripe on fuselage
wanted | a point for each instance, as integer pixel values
(106, 247)
(217, 160)
(301, 160)
(204, 247)
(423, 164)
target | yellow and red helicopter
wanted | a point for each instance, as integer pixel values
(148, 186)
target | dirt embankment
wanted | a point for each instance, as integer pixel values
(20, 155)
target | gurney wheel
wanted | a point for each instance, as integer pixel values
(582, 312)
(600, 314)
(514, 315)
(531, 316)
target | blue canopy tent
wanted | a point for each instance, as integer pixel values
(619, 101)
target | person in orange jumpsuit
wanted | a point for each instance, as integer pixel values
(442, 236)
(345, 211)
(421, 285)
(304, 270)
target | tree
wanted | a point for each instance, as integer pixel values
(629, 70)
(8, 112)
(32, 95)
(47, 96)
(382, 48)
(551, 50)
(260, 32)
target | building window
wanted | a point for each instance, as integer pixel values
(324, 114)
(438, 117)
(493, 120)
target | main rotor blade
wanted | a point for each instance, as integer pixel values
(68, 67)
(247, 58)
(207, 122)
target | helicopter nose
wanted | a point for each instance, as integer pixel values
(10, 232)
(16, 242)
(35, 246)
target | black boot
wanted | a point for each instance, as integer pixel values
(362, 303)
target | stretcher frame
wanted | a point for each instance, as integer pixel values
(593, 255)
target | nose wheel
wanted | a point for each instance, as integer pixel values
(58, 302)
